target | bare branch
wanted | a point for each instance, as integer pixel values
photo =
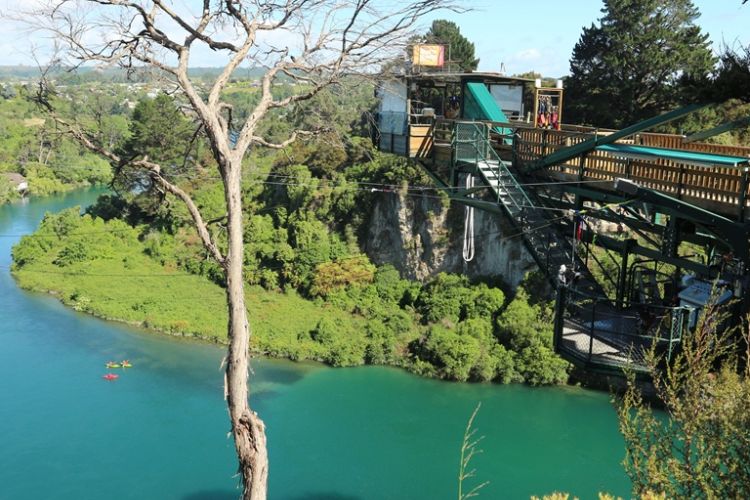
(281, 145)
(200, 226)
(154, 170)
(197, 32)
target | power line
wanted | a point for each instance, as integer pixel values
(281, 266)
(338, 183)
(394, 189)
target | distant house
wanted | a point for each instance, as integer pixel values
(18, 181)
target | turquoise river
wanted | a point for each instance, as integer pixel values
(160, 431)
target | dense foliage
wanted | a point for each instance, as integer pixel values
(644, 57)
(703, 449)
(445, 328)
(31, 146)
(312, 293)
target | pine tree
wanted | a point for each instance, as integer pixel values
(644, 57)
(461, 50)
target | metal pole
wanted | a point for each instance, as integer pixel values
(549, 242)
(560, 301)
(743, 195)
(582, 167)
(622, 278)
(591, 331)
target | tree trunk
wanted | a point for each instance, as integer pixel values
(248, 429)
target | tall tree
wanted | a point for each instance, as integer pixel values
(461, 50)
(313, 43)
(733, 75)
(637, 62)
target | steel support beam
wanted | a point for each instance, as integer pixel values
(724, 127)
(565, 154)
(635, 249)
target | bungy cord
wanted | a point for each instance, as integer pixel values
(469, 224)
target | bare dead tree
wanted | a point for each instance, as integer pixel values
(314, 43)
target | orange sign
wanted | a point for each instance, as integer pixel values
(428, 55)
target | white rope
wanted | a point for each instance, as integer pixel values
(469, 224)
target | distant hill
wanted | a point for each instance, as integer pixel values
(81, 75)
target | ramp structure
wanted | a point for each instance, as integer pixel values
(653, 225)
(481, 106)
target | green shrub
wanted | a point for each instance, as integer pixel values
(443, 298)
(539, 365)
(75, 251)
(454, 355)
(380, 344)
(330, 276)
(526, 331)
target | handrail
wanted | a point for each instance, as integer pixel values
(500, 164)
(601, 266)
(626, 304)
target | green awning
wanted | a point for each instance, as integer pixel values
(691, 157)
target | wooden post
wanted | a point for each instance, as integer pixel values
(743, 194)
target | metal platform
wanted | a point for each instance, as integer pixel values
(597, 336)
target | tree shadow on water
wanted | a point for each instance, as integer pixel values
(324, 496)
(235, 495)
(213, 495)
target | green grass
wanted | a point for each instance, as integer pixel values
(447, 328)
(122, 283)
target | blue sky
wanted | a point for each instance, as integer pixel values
(525, 35)
(539, 35)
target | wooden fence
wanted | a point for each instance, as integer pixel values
(718, 189)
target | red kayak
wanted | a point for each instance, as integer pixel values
(110, 376)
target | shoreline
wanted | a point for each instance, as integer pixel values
(181, 336)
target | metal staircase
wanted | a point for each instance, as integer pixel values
(542, 236)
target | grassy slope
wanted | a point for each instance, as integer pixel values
(131, 287)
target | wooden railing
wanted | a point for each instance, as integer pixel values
(715, 188)
(722, 190)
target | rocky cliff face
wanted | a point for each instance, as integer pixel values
(421, 237)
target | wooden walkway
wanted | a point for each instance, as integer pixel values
(719, 189)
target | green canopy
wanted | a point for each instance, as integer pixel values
(480, 105)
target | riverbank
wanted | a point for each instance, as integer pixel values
(445, 329)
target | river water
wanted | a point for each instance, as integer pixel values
(160, 431)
